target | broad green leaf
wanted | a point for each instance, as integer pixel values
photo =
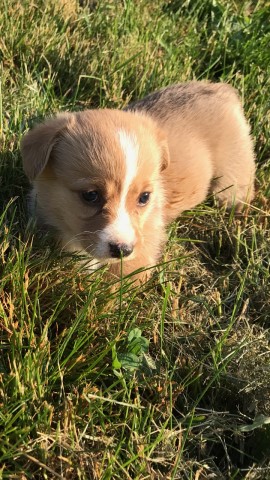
(134, 333)
(130, 361)
(138, 346)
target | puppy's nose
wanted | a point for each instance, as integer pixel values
(120, 249)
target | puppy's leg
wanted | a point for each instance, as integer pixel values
(188, 177)
(234, 170)
(116, 270)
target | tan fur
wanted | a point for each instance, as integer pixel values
(192, 138)
(209, 143)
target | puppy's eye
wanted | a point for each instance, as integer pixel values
(144, 198)
(91, 197)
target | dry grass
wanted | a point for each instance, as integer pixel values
(188, 397)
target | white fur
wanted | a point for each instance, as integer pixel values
(130, 148)
(121, 230)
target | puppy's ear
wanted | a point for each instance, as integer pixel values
(37, 145)
(165, 154)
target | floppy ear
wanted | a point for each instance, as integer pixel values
(36, 145)
(165, 154)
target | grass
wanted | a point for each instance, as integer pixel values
(170, 380)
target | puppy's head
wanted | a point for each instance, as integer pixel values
(96, 177)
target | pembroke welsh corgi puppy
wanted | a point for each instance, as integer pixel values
(110, 181)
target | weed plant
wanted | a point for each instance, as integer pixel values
(170, 380)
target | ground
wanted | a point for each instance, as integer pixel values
(169, 380)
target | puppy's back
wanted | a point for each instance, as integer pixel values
(209, 138)
(181, 97)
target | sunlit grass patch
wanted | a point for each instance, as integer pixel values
(105, 379)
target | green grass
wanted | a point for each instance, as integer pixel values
(170, 380)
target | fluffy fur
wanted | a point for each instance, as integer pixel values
(110, 181)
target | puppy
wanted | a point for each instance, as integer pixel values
(110, 181)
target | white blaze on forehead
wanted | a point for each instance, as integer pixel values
(121, 230)
(130, 148)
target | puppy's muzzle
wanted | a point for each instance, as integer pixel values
(118, 250)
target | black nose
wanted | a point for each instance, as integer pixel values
(120, 249)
